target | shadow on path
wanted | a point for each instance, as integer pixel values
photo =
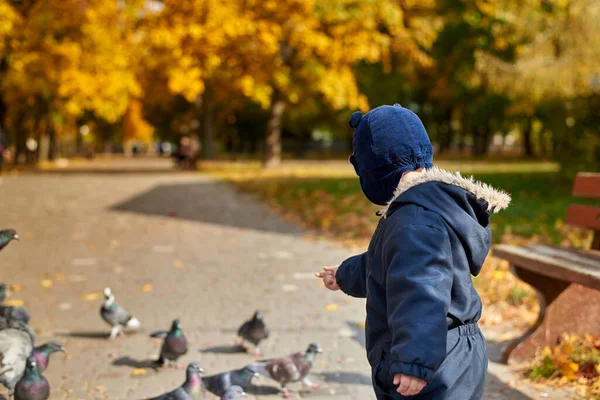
(345, 377)
(206, 201)
(130, 362)
(86, 335)
(234, 349)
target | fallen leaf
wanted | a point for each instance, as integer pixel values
(60, 277)
(178, 264)
(568, 370)
(331, 307)
(14, 302)
(16, 288)
(65, 306)
(91, 296)
(114, 243)
(147, 287)
(46, 283)
(28, 235)
(138, 372)
(91, 246)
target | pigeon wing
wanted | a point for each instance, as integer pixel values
(159, 334)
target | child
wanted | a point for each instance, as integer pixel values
(434, 233)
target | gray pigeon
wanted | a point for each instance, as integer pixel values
(6, 236)
(254, 331)
(16, 344)
(192, 388)
(116, 316)
(233, 393)
(218, 384)
(292, 368)
(15, 313)
(33, 385)
(174, 344)
(42, 354)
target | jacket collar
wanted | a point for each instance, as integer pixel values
(496, 199)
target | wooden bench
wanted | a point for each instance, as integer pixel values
(567, 280)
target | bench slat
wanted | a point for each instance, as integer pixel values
(587, 185)
(584, 216)
(544, 260)
(571, 256)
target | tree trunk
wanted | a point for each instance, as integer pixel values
(481, 141)
(207, 122)
(21, 140)
(527, 145)
(272, 150)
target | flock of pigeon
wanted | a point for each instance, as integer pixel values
(22, 364)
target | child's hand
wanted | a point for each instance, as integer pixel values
(408, 385)
(328, 276)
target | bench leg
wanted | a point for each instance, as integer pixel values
(547, 290)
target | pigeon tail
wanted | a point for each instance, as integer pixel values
(159, 334)
(133, 324)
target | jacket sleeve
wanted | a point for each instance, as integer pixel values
(418, 284)
(351, 276)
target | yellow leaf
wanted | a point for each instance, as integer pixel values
(498, 275)
(60, 277)
(147, 287)
(598, 371)
(138, 372)
(546, 352)
(178, 264)
(91, 296)
(46, 283)
(331, 307)
(16, 288)
(568, 370)
(14, 302)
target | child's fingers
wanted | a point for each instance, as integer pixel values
(330, 269)
(413, 388)
(404, 383)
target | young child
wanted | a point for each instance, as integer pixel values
(434, 233)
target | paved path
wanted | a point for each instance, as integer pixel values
(176, 246)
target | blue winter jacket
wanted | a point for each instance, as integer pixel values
(416, 276)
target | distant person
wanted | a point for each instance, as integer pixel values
(422, 336)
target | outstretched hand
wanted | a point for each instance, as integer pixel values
(408, 385)
(328, 276)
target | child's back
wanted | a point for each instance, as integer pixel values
(422, 309)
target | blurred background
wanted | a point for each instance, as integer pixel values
(272, 79)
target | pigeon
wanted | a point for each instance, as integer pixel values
(234, 392)
(174, 344)
(192, 388)
(116, 316)
(292, 368)
(4, 291)
(16, 344)
(15, 313)
(218, 384)
(33, 385)
(253, 331)
(6, 236)
(42, 354)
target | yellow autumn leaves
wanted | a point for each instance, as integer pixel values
(575, 359)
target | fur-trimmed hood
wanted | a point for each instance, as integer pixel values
(496, 199)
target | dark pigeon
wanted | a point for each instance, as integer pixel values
(233, 393)
(292, 368)
(6, 236)
(15, 313)
(174, 344)
(116, 316)
(16, 344)
(192, 389)
(33, 385)
(218, 384)
(4, 291)
(42, 354)
(254, 331)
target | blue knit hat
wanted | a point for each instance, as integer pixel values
(388, 141)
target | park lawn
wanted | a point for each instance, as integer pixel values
(326, 199)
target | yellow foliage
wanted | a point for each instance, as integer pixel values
(134, 125)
